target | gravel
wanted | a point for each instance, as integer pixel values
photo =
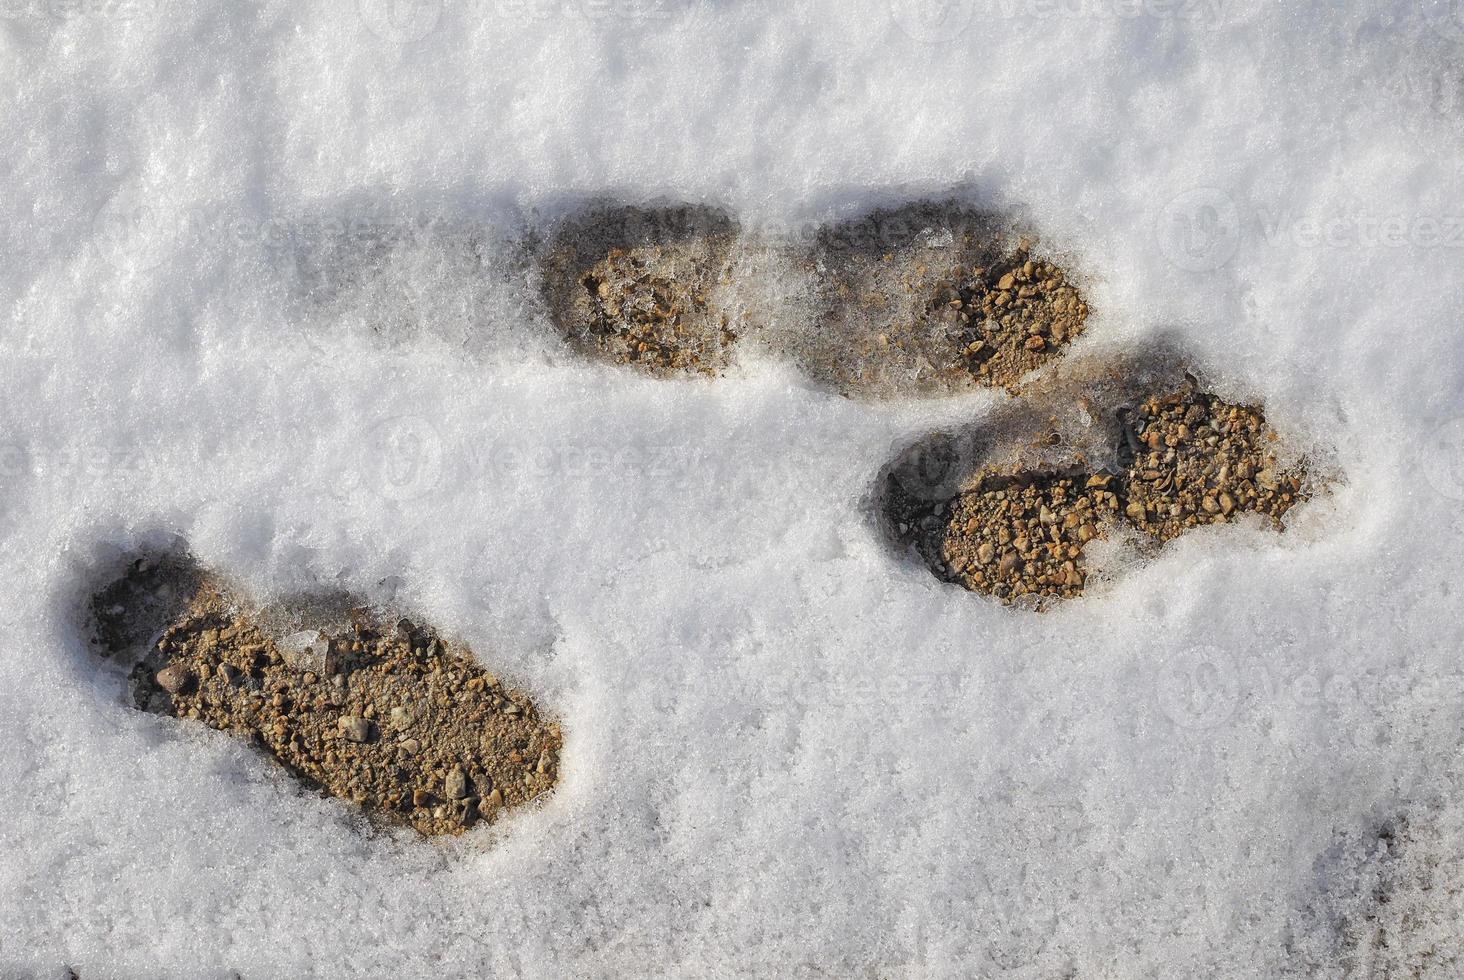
(219, 662)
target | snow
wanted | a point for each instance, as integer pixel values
(789, 752)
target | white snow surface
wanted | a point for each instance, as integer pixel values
(789, 752)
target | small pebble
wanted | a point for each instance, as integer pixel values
(174, 678)
(355, 728)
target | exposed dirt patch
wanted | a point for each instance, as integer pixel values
(363, 706)
(934, 298)
(642, 286)
(1025, 535)
(1195, 459)
(1012, 511)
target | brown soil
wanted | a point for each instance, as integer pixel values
(639, 286)
(1019, 531)
(387, 715)
(930, 299)
(1016, 537)
(1195, 459)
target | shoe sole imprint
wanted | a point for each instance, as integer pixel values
(928, 298)
(933, 298)
(349, 700)
(644, 286)
(1135, 451)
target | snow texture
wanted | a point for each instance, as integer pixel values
(266, 289)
